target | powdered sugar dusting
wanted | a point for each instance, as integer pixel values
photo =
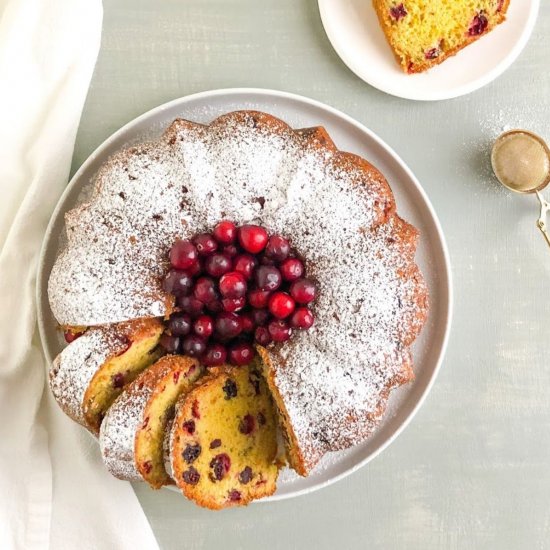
(336, 212)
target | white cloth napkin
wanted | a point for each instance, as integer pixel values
(54, 492)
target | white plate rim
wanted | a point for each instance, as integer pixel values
(269, 93)
(436, 95)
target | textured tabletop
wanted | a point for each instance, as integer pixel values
(472, 470)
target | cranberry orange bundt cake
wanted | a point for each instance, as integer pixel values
(245, 231)
(88, 375)
(423, 33)
(224, 439)
(133, 431)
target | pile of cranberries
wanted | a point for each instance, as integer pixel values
(233, 287)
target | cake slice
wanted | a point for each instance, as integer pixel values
(89, 374)
(132, 433)
(224, 439)
(423, 33)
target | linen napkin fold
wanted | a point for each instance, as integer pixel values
(54, 492)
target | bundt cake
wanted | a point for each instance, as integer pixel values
(88, 375)
(133, 430)
(339, 340)
(224, 439)
(423, 33)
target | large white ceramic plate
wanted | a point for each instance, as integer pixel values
(348, 135)
(353, 29)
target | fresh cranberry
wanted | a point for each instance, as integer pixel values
(195, 269)
(227, 325)
(205, 290)
(247, 321)
(71, 336)
(253, 238)
(247, 424)
(183, 254)
(277, 248)
(220, 465)
(268, 277)
(170, 343)
(302, 318)
(291, 269)
(193, 345)
(398, 12)
(260, 316)
(245, 265)
(177, 282)
(262, 336)
(478, 25)
(215, 355)
(234, 495)
(258, 298)
(279, 330)
(230, 250)
(215, 306)
(233, 285)
(179, 324)
(204, 326)
(225, 232)
(241, 354)
(205, 244)
(189, 304)
(217, 264)
(303, 291)
(233, 304)
(281, 304)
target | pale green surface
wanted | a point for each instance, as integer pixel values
(472, 469)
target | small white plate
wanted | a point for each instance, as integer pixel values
(349, 135)
(353, 29)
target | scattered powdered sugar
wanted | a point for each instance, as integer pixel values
(118, 430)
(334, 378)
(74, 368)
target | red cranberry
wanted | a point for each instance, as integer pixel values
(215, 306)
(279, 330)
(262, 336)
(193, 345)
(277, 248)
(220, 465)
(227, 325)
(205, 244)
(258, 298)
(204, 326)
(215, 355)
(253, 238)
(247, 321)
(260, 316)
(177, 282)
(170, 343)
(268, 277)
(230, 250)
(183, 254)
(478, 25)
(303, 291)
(302, 318)
(247, 424)
(398, 12)
(225, 232)
(205, 290)
(233, 285)
(217, 264)
(233, 304)
(180, 324)
(281, 305)
(241, 354)
(245, 265)
(291, 269)
(189, 304)
(71, 336)
(195, 269)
